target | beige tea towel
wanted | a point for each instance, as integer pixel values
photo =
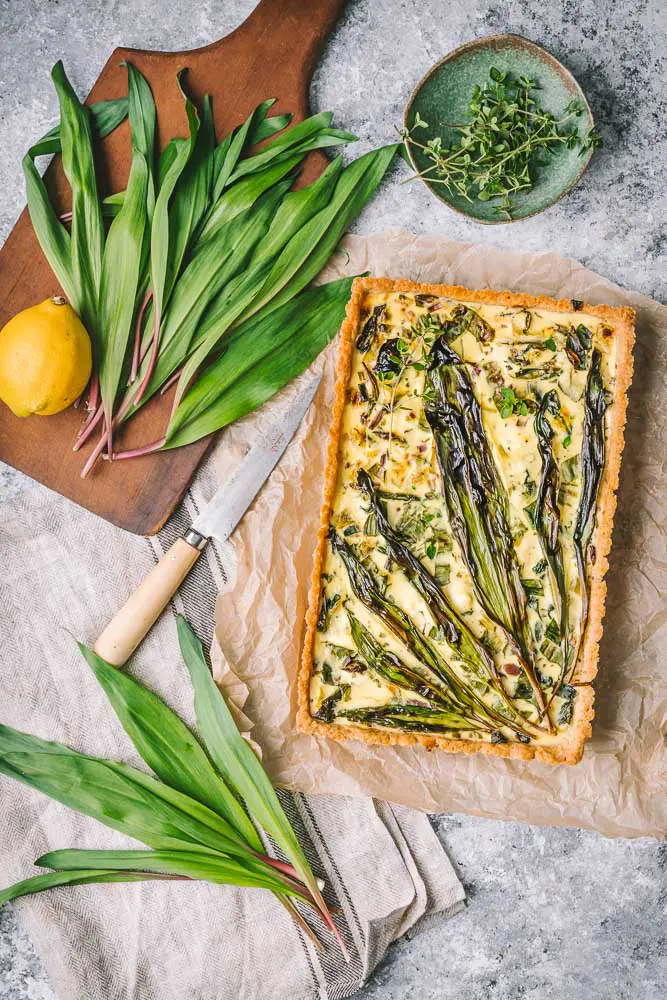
(64, 572)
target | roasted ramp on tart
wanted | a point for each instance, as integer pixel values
(458, 591)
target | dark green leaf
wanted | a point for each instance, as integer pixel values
(547, 517)
(121, 265)
(87, 228)
(242, 196)
(212, 265)
(52, 880)
(301, 259)
(117, 795)
(457, 634)
(160, 232)
(308, 251)
(592, 463)
(105, 117)
(267, 128)
(236, 761)
(411, 718)
(436, 671)
(270, 352)
(552, 632)
(190, 198)
(578, 345)
(143, 120)
(229, 152)
(391, 668)
(296, 209)
(201, 865)
(568, 693)
(52, 236)
(329, 602)
(168, 746)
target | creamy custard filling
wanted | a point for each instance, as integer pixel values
(512, 357)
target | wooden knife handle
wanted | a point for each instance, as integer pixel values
(140, 612)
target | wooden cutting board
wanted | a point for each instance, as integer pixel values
(272, 54)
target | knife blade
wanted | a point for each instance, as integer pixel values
(232, 499)
(217, 520)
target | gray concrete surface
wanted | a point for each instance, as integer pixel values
(552, 914)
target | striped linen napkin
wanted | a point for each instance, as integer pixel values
(64, 573)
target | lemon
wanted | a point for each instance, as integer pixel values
(45, 359)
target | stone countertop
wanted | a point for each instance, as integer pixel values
(552, 913)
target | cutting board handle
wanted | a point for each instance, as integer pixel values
(272, 54)
(292, 31)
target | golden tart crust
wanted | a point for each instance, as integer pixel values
(569, 745)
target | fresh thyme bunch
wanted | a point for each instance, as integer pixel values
(496, 153)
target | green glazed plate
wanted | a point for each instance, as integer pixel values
(442, 96)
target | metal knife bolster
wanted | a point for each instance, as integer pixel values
(194, 539)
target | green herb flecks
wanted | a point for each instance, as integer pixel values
(549, 371)
(240, 768)
(570, 470)
(534, 590)
(568, 693)
(508, 403)
(477, 503)
(497, 153)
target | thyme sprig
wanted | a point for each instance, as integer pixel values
(496, 153)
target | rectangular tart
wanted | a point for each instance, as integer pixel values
(458, 589)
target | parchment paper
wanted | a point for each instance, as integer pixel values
(619, 786)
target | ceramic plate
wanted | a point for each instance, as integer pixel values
(442, 98)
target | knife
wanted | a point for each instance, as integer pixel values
(218, 519)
